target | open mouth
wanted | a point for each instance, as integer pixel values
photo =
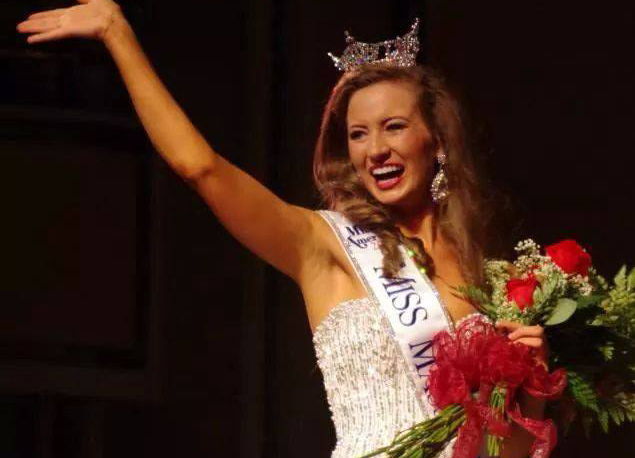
(387, 176)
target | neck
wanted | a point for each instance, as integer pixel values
(420, 223)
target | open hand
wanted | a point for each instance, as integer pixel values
(532, 336)
(89, 20)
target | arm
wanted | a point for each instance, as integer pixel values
(255, 216)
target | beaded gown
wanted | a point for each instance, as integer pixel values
(366, 379)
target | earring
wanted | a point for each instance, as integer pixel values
(439, 188)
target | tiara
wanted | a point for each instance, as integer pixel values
(401, 52)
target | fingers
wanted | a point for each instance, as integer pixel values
(532, 336)
(534, 342)
(51, 13)
(46, 36)
(521, 333)
(39, 25)
(508, 326)
(527, 331)
(517, 330)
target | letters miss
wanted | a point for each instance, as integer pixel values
(405, 299)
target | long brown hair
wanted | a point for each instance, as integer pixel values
(462, 218)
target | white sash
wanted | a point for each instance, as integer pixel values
(409, 301)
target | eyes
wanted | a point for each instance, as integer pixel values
(357, 134)
(396, 126)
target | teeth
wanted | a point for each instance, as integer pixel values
(386, 169)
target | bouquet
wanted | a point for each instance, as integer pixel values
(479, 372)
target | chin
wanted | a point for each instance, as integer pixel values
(391, 198)
(408, 193)
(399, 198)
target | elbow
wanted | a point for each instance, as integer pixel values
(196, 171)
(195, 175)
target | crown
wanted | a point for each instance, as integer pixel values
(401, 52)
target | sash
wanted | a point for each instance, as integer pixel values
(409, 301)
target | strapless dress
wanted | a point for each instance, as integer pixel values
(368, 388)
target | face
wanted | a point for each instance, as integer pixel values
(389, 144)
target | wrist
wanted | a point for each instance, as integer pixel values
(115, 26)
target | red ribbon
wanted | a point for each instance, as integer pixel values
(475, 358)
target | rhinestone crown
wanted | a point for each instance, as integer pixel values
(401, 52)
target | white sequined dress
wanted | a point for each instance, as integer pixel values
(367, 383)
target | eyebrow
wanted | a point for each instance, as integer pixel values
(383, 121)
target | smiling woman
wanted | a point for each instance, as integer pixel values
(377, 269)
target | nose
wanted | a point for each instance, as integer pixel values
(379, 151)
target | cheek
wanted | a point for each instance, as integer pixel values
(356, 156)
(419, 151)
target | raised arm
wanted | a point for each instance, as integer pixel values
(286, 236)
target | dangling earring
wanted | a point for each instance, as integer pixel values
(439, 188)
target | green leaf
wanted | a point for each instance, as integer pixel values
(617, 413)
(603, 418)
(587, 301)
(631, 279)
(620, 277)
(543, 292)
(629, 411)
(562, 311)
(473, 293)
(607, 350)
(478, 298)
(582, 390)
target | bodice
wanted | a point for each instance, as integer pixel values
(368, 388)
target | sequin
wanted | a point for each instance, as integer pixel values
(367, 383)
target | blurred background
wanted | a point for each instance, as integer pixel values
(132, 324)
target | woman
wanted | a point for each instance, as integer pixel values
(384, 129)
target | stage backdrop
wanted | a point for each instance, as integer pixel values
(133, 325)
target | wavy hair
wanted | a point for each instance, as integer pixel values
(462, 218)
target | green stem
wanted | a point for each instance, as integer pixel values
(497, 403)
(425, 439)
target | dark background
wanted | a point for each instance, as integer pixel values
(132, 324)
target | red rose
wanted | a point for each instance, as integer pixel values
(570, 257)
(521, 291)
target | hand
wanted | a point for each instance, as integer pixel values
(532, 336)
(92, 19)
